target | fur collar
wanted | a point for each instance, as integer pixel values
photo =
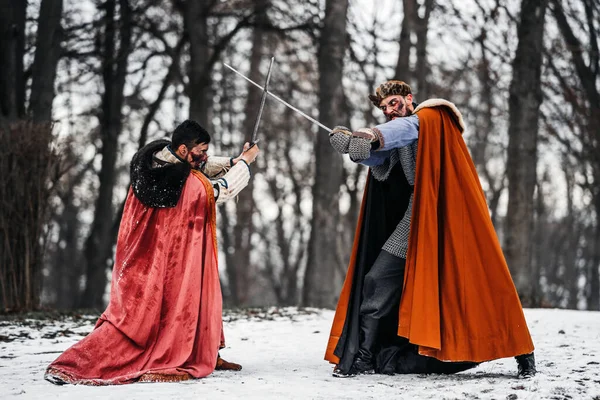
(444, 103)
(157, 186)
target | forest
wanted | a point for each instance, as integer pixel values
(84, 84)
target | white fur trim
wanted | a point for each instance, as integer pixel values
(443, 103)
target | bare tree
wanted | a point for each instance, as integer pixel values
(287, 235)
(483, 114)
(26, 167)
(524, 102)
(196, 24)
(116, 48)
(587, 70)
(422, 65)
(239, 267)
(28, 161)
(206, 48)
(175, 57)
(322, 261)
(47, 54)
(403, 70)
(413, 24)
(12, 51)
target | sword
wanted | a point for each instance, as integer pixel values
(311, 119)
(262, 104)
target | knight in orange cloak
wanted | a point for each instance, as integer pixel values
(427, 288)
(163, 321)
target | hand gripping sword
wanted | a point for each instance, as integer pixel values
(254, 139)
(265, 91)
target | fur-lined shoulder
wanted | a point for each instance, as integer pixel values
(443, 103)
(157, 187)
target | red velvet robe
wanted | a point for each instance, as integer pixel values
(163, 321)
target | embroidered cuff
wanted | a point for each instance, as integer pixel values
(380, 139)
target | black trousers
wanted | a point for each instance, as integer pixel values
(382, 287)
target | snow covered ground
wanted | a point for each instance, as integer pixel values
(281, 351)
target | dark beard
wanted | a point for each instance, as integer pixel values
(396, 114)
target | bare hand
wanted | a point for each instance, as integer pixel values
(248, 154)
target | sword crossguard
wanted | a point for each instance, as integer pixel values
(285, 103)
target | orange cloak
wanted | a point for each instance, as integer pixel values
(459, 302)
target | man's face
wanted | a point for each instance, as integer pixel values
(196, 155)
(396, 106)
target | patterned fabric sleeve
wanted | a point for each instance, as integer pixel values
(231, 184)
(216, 167)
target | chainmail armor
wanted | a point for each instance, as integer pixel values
(340, 142)
(397, 243)
(359, 149)
(382, 172)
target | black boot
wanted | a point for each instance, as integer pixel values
(364, 362)
(526, 364)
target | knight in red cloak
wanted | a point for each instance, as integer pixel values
(163, 321)
(427, 288)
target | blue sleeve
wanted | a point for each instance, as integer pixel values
(376, 158)
(397, 133)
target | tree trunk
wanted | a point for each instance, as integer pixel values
(484, 129)
(239, 267)
(12, 50)
(47, 54)
(540, 244)
(98, 250)
(26, 161)
(199, 88)
(587, 73)
(593, 299)
(67, 263)
(422, 66)
(571, 241)
(320, 286)
(524, 102)
(403, 71)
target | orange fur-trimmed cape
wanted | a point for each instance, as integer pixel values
(459, 302)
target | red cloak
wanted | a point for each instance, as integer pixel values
(459, 302)
(164, 316)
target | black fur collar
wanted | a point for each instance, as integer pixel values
(157, 187)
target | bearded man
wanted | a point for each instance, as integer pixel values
(427, 289)
(163, 322)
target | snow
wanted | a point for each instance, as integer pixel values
(281, 351)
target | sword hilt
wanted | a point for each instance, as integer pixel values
(252, 144)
